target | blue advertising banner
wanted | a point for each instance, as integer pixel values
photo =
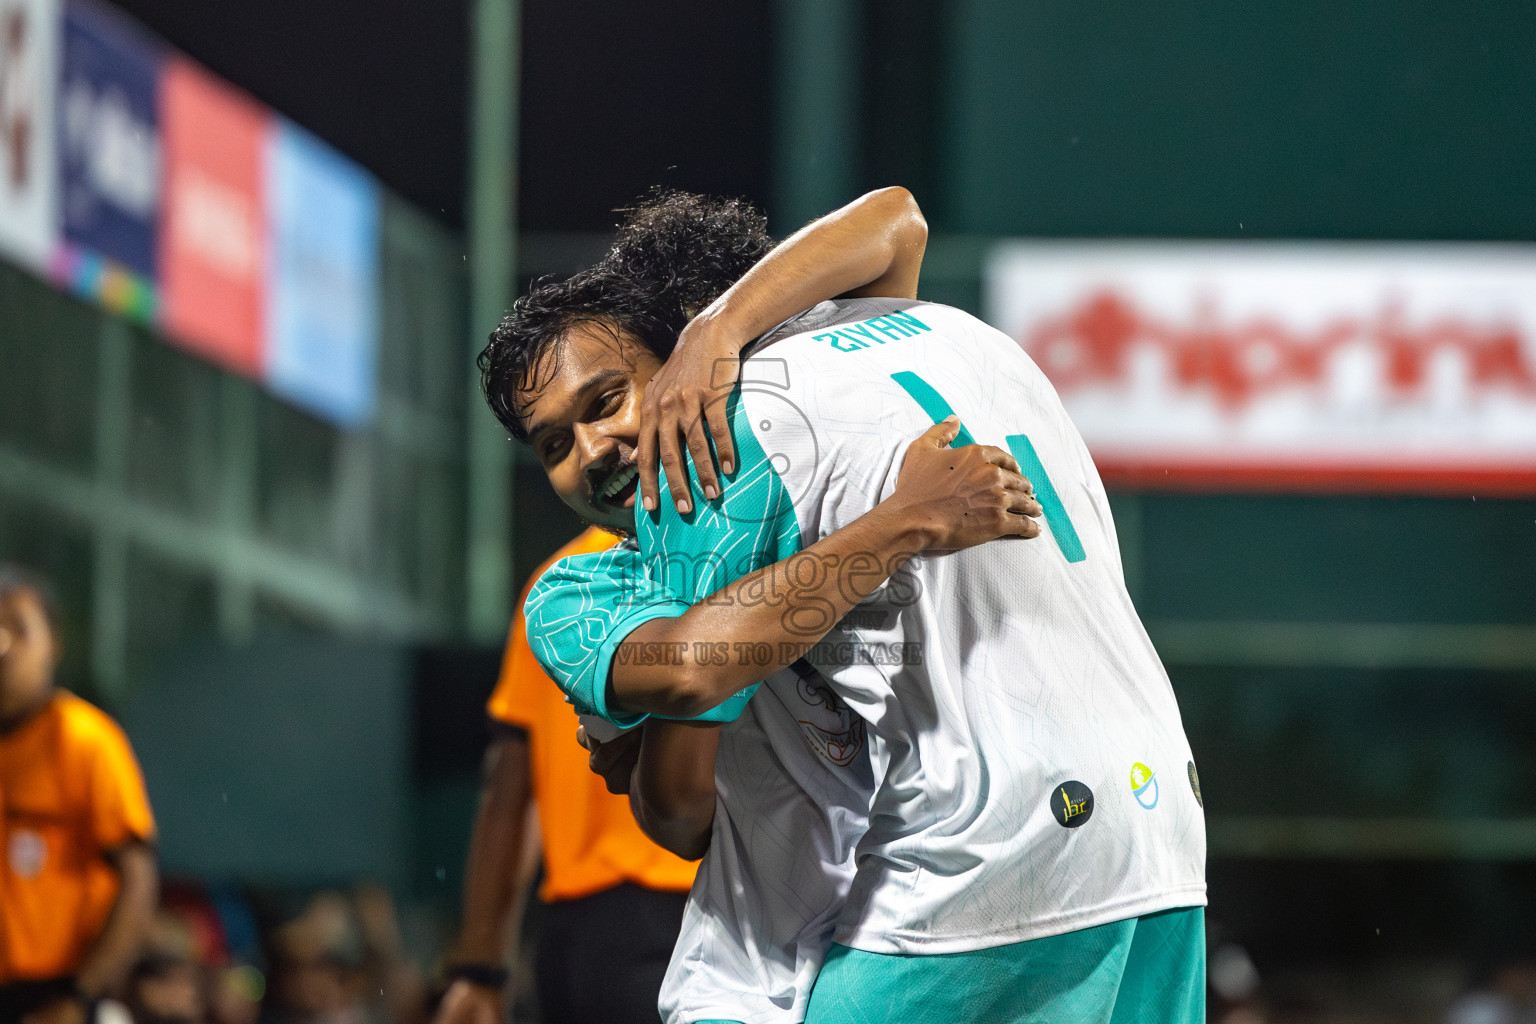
(108, 156)
(323, 278)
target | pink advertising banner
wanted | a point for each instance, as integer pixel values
(213, 239)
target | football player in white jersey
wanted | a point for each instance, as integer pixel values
(987, 886)
(997, 681)
(794, 773)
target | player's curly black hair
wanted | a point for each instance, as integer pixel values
(674, 254)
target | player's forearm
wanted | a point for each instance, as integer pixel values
(490, 872)
(763, 621)
(672, 788)
(117, 946)
(874, 245)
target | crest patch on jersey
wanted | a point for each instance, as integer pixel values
(28, 852)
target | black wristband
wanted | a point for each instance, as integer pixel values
(484, 975)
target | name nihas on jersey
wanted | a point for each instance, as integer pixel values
(893, 326)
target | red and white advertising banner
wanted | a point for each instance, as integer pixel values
(1285, 366)
(213, 245)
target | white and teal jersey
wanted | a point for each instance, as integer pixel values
(1037, 779)
(793, 779)
(578, 614)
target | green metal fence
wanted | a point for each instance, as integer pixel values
(169, 499)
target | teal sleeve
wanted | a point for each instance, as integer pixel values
(578, 614)
(749, 526)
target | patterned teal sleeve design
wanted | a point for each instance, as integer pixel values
(751, 525)
(578, 614)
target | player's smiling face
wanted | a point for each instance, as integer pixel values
(583, 421)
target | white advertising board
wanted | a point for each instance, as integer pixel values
(29, 47)
(1303, 366)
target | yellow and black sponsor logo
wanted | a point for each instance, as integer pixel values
(1072, 804)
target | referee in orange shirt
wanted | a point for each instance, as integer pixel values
(78, 878)
(612, 897)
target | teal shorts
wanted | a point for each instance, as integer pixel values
(1145, 970)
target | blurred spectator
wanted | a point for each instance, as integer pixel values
(191, 939)
(1509, 998)
(341, 962)
(78, 878)
(612, 896)
(400, 986)
(235, 995)
(1234, 993)
(317, 962)
(166, 988)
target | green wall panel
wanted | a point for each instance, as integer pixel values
(1352, 744)
(286, 761)
(1314, 558)
(1371, 119)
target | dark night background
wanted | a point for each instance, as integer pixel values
(1306, 120)
(616, 97)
